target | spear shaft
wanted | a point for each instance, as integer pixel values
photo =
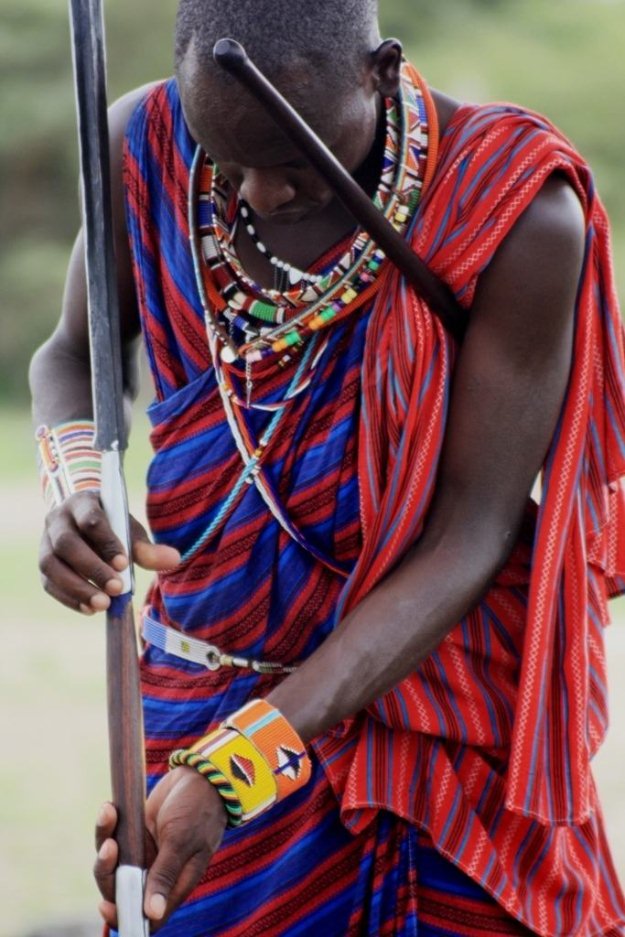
(124, 699)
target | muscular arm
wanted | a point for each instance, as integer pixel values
(509, 384)
(60, 372)
(80, 556)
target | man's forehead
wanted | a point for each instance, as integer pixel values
(256, 144)
(299, 78)
(234, 127)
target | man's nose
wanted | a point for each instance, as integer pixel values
(266, 190)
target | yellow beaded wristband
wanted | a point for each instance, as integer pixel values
(243, 765)
(275, 737)
(183, 757)
(257, 752)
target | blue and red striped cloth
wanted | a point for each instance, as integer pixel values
(481, 758)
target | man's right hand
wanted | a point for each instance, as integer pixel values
(80, 556)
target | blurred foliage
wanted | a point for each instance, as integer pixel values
(562, 57)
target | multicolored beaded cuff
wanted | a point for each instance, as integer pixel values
(269, 731)
(243, 767)
(68, 461)
(256, 754)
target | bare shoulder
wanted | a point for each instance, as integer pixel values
(525, 299)
(555, 214)
(446, 107)
(548, 239)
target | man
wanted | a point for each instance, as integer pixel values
(314, 465)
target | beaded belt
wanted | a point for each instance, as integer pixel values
(201, 652)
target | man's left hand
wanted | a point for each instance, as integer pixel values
(185, 821)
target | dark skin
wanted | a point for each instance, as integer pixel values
(510, 380)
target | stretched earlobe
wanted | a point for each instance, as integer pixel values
(386, 65)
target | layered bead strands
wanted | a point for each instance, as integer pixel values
(252, 454)
(275, 323)
(284, 325)
(287, 274)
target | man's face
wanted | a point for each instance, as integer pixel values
(257, 159)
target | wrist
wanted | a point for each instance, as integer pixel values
(298, 707)
(317, 696)
(253, 760)
(207, 794)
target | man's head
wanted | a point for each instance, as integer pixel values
(325, 57)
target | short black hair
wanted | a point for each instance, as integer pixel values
(333, 35)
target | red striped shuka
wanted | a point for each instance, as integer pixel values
(482, 755)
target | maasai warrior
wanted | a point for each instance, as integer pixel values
(324, 497)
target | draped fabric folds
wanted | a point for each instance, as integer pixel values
(486, 747)
(494, 163)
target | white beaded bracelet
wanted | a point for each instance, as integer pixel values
(68, 461)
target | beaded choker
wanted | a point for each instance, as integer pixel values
(248, 323)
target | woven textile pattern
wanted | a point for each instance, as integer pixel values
(485, 748)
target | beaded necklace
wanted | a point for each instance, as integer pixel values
(273, 323)
(273, 306)
(286, 274)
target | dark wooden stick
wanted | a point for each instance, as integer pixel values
(231, 56)
(124, 700)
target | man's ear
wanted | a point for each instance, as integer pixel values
(386, 67)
